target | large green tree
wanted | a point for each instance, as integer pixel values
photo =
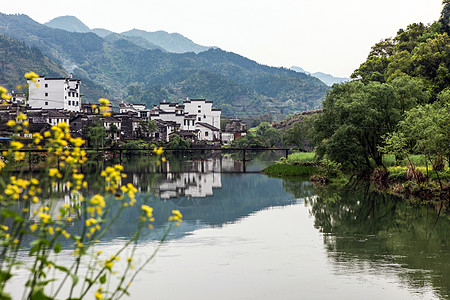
(356, 116)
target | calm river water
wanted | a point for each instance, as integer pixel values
(249, 236)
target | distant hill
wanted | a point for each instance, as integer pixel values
(69, 23)
(101, 32)
(172, 42)
(122, 70)
(326, 78)
(141, 42)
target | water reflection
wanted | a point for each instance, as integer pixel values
(369, 231)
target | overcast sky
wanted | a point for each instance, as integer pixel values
(318, 35)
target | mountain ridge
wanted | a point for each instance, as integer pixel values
(122, 70)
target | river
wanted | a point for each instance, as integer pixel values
(250, 236)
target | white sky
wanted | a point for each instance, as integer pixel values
(318, 35)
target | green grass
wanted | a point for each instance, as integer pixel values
(281, 169)
(300, 157)
(417, 160)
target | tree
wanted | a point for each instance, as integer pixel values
(95, 135)
(300, 134)
(445, 16)
(145, 129)
(425, 130)
(355, 118)
(268, 135)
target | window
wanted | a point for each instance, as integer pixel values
(65, 97)
(206, 133)
(46, 103)
(46, 94)
(46, 85)
(199, 111)
(199, 119)
(77, 103)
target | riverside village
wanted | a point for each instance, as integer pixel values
(141, 165)
(55, 100)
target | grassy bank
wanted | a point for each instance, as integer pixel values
(297, 164)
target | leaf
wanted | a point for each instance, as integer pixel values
(103, 279)
(4, 276)
(39, 295)
(57, 248)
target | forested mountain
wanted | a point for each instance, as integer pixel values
(121, 69)
(16, 59)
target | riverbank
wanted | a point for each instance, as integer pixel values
(418, 184)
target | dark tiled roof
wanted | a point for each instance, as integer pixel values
(208, 126)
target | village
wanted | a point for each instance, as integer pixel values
(55, 100)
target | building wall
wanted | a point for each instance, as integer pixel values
(204, 111)
(55, 93)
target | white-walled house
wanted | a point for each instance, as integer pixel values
(207, 132)
(55, 93)
(203, 110)
(194, 115)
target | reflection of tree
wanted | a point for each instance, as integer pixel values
(363, 229)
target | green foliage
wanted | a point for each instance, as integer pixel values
(301, 157)
(17, 59)
(248, 141)
(329, 169)
(355, 118)
(419, 51)
(268, 135)
(300, 135)
(177, 142)
(96, 135)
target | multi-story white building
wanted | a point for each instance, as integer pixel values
(203, 110)
(55, 93)
(194, 115)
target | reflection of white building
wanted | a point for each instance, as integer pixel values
(200, 182)
(54, 206)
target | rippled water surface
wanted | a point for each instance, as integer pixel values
(249, 236)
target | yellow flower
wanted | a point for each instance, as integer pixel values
(54, 172)
(158, 151)
(148, 210)
(11, 123)
(33, 227)
(21, 116)
(16, 145)
(103, 101)
(31, 75)
(98, 294)
(45, 217)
